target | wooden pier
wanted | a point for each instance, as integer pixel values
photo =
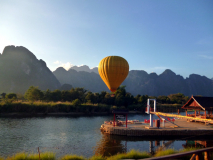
(185, 129)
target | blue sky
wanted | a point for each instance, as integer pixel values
(152, 35)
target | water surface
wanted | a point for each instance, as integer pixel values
(73, 135)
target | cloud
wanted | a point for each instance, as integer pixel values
(206, 57)
(66, 66)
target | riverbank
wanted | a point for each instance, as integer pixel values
(39, 108)
(133, 154)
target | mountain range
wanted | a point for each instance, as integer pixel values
(20, 69)
(85, 68)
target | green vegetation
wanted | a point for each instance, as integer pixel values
(72, 157)
(97, 157)
(130, 155)
(80, 100)
(25, 156)
(165, 152)
(133, 154)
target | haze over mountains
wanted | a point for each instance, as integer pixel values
(20, 69)
(85, 68)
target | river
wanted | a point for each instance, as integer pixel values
(73, 135)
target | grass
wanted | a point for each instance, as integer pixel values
(25, 156)
(99, 157)
(165, 152)
(133, 154)
(72, 157)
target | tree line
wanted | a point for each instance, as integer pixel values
(80, 96)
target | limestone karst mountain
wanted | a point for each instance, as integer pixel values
(85, 68)
(140, 82)
(88, 80)
(20, 69)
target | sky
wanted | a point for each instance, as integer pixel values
(152, 35)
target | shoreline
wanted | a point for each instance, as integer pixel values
(60, 114)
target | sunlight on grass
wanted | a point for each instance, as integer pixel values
(72, 157)
(133, 154)
(25, 156)
(97, 158)
(165, 152)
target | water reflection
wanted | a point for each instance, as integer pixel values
(109, 145)
(112, 144)
(198, 143)
(78, 135)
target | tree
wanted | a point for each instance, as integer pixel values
(47, 95)
(11, 96)
(3, 95)
(56, 95)
(76, 102)
(90, 97)
(33, 94)
(65, 96)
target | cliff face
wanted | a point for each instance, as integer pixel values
(167, 83)
(85, 68)
(140, 82)
(20, 69)
(89, 81)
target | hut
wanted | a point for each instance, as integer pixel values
(199, 104)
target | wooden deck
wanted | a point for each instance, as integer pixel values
(185, 129)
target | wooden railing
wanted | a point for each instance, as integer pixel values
(196, 155)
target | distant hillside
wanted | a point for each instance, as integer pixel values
(140, 82)
(20, 69)
(85, 68)
(90, 81)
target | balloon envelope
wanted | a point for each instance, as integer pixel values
(113, 70)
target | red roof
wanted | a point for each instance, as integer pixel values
(197, 102)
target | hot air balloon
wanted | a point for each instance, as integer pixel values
(113, 70)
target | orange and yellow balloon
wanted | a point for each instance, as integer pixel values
(113, 70)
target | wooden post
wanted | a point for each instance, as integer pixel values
(197, 157)
(186, 112)
(39, 154)
(193, 157)
(205, 114)
(114, 120)
(195, 113)
(206, 155)
(178, 111)
(126, 120)
(199, 112)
